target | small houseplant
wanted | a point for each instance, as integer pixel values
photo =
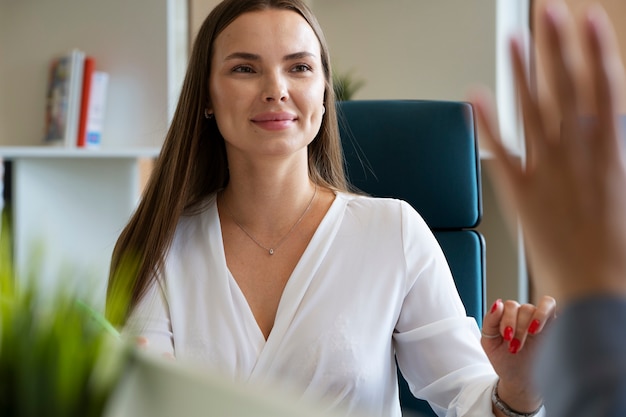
(345, 85)
(58, 357)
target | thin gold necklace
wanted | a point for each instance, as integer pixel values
(272, 249)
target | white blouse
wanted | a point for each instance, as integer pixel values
(372, 286)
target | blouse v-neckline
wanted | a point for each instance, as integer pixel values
(298, 281)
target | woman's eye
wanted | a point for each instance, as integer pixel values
(301, 68)
(243, 68)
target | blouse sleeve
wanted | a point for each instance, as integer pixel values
(581, 370)
(437, 346)
(151, 319)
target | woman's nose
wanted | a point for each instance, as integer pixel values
(275, 88)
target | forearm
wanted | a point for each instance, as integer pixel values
(582, 368)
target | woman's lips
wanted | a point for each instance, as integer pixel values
(274, 121)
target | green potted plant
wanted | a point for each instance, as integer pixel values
(58, 357)
(345, 85)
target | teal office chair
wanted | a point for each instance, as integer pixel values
(424, 152)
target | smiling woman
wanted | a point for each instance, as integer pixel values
(257, 262)
(278, 81)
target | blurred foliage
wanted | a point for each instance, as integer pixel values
(346, 85)
(58, 357)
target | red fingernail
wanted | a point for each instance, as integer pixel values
(508, 333)
(534, 326)
(494, 307)
(514, 346)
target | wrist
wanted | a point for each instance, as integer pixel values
(514, 403)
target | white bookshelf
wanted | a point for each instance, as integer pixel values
(73, 205)
(74, 202)
(42, 152)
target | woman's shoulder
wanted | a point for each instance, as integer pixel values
(377, 205)
(386, 212)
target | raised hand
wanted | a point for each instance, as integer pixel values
(571, 193)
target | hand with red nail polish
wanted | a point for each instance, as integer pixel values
(509, 337)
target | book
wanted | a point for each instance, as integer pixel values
(93, 103)
(88, 70)
(95, 110)
(65, 83)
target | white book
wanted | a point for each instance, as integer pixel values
(96, 109)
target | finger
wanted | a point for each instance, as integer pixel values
(486, 116)
(505, 170)
(608, 74)
(491, 322)
(525, 314)
(545, 311)
(561, 61)
(529, 107)
(508, 322)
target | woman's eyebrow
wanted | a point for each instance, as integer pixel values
(299, 55)
(243, 55)
(255, 57)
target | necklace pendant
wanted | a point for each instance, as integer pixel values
(280, 242)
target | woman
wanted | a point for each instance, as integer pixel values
(256, 260)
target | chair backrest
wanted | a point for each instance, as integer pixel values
(424, 152)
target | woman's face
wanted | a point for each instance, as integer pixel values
(267, 84)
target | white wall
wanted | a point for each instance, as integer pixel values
(198, 11)
(412, 48)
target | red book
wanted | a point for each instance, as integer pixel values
(90, 66)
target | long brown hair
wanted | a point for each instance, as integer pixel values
(192, 163)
